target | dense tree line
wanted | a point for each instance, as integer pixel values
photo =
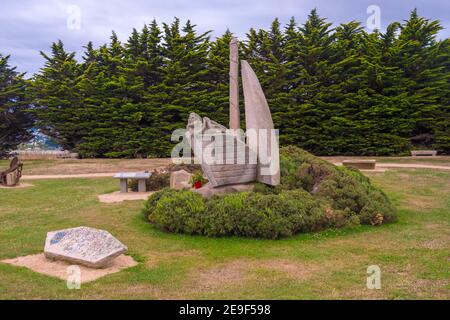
(15, 122)
(331, 90)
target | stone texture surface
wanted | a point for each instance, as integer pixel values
(12, 179)
(58, 269)
(133, 175)
(209, 191)
(141, 177)
(257, 117)
(202, 148)
(235, 115)
(90, 247)
(179, 180)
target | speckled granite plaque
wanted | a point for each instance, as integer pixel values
(86, 246)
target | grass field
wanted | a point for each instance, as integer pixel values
(413, 253)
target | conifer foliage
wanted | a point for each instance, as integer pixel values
(15, 121)
(331, 90)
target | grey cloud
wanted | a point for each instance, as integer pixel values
(28, 26)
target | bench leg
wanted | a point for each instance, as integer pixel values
(123, 185)
(142, 187)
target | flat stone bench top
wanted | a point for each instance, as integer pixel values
(133, 175)
(423, 152)
(140, 176)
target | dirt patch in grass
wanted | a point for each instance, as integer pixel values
(59, 269)
(361, 292)
(404, 280)
(435, 288)
(117, 197)
(239, 272)
(130, 291)
(440, 236)
(154, 258)
(420, 203)
(442, 242)
(291, 269)
(141, 289)
(19, 186)
(224, 275)
(433, 226)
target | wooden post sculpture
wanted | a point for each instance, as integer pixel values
(11, 176)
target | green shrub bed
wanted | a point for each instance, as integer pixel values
(313, 195)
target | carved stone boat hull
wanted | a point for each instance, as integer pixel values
(225, 167)
(224, 159)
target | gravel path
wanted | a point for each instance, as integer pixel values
(110, 175)
(68, 176)
(412, 166)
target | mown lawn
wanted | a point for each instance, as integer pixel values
(81, 166)
(413, 254)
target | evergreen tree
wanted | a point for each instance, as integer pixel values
(185, 86)
(343, 93)
(151, 143)
(118, 113)
(306, 109)
(425, 79)
(331, 91)
(95, 100)
(266, 53)
(56, 99)
(15, 121)
(442, 119)
(219, 78)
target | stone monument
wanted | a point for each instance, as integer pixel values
(86, 246)
(252, 158)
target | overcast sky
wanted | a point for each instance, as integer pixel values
(28, 26)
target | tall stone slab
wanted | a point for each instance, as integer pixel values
(259, 120)
(235, 115)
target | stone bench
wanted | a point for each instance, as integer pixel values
(424, 153)
(67, 156)
(360, 164)
(141, 177)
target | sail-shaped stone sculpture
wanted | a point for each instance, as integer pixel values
(259, 121)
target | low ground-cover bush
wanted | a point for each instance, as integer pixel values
(342, 188)
(313, 195)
